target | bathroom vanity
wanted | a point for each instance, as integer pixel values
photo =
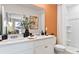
(29, 45)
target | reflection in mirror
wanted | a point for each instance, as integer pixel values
(0, 24)
(34, 19)
(14, 24)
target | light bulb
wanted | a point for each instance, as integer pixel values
(46, 28)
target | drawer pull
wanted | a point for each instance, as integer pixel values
(46, 46)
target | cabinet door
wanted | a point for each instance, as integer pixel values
(44, 49)
(22, 47)
(27, 51)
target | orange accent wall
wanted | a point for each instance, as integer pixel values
(50, 17)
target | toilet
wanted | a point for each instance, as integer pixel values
(61, 49)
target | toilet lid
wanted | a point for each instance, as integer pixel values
(60, 46)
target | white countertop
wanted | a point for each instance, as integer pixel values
(22, 39)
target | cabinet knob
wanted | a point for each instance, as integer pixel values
(46, 46)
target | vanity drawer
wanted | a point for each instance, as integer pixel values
(44, 41)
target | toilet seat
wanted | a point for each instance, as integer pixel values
(60, 46)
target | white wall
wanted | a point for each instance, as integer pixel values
(20, 9)
(74, 11)
(59, 23)
(74, 23)
(68, 24)
(62, 23)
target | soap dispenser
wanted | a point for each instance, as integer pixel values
(42, 33)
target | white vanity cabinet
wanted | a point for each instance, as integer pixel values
(44, 45)
(16, 48)
(44, 49)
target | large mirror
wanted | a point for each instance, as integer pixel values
(14, 15)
